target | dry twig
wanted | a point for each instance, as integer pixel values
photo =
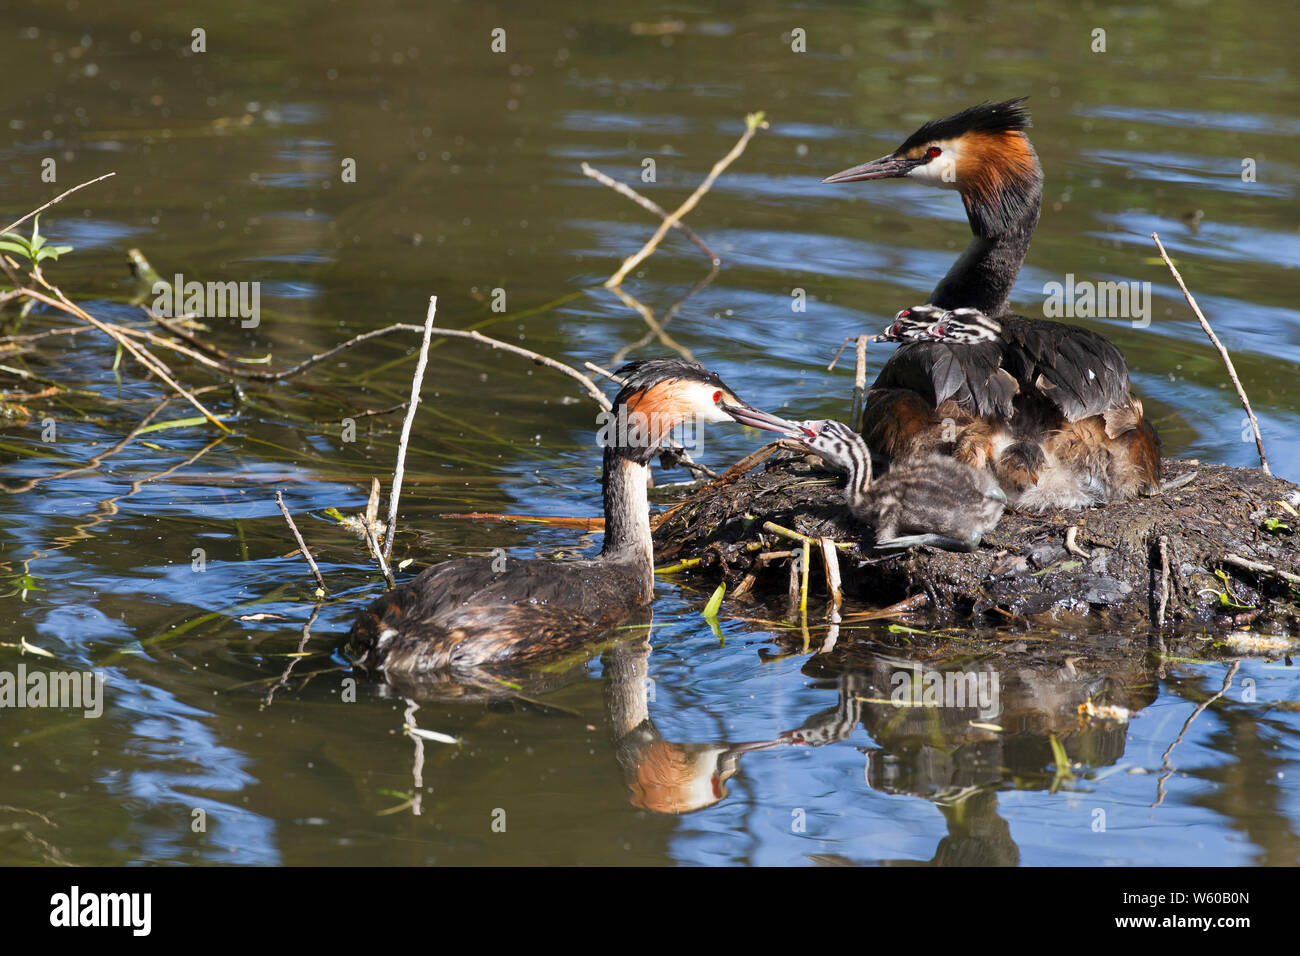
(753, 123)
(859, 385)
(1237, 561)
(1223, 353)
(651, 206)
(416, 381)
(302, 545)
(59, 198)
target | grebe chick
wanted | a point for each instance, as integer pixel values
(912, 325)
(466, 613)
(932, 499)
(1049, 406)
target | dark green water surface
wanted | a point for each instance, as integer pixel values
(228, 168)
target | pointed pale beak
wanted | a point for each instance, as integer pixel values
(886, 167)
(756, 418)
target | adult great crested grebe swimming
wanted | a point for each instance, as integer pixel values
(465, 613)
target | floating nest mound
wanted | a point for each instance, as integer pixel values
(1219, 548)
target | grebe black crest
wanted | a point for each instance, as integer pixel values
(1047, 406)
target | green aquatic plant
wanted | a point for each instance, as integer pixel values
(35, 250)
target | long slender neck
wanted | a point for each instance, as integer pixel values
(627, 514)
(984, 273)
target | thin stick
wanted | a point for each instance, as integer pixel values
(33, 336)
(753, 123)
(1164, 580)
(1245, 563)
(1072, 542)
(185, 335)
(416, 382)
(241, 371)
(143, 356)
(378, 555)
(293, 661)
(194, 354)
(650, 206)
(59, 198)
(838, 352)
(554, 521)
(367, 413)
(831, 564)
(1223, 353)
(805, 566)
(597, 395)
(302, 545)
(271, 376)
(731, 475)
(322, 356)
(859, 385)
(903, 607)
(618, 380)
(794, 580)
(796, 536)
(471, 334)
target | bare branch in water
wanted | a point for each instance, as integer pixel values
(302, 545)
(377, 554)
(416, 381)
(753, 123)
(1223, 353)
(151, 362)
(59, 198)
(859, 385)
(650, 206)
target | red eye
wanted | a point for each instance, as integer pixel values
(933, 151)
(717, 397)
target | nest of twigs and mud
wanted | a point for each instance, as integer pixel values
(1218, 547)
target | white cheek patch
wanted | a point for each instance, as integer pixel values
(942, 170)
(701, 406)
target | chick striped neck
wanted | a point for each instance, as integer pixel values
(855, 458)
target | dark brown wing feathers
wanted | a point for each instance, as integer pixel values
(1077, 370)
